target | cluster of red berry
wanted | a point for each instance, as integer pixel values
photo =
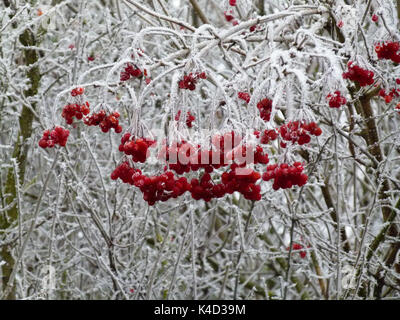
(244, 96)
(180, 156)
(243, 182)
(189, 118)
(356, 73)
(259, 156)
(226, 149)
(265, 108)
(79, 110)
(390, 95)
(374, 18)
(189, 81)
(183, 157)
(285, 176)
(388, 50)
(268, 135)
(106, 122)
(77, 92)
(154, 188)
(336, 99)
(125, 172)
(240, 152)
(137, 148)
(130, 71)
(298, 246)
(75, 110)
(247, 153)
(206, 189)
(232, 3)
(58, 136)
(162, 187)
(296, 131)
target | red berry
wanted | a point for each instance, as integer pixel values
(298, 132)
(317, 132)
(285, 176)
(336, 100)
(228, 16)
(43, 143)
(268, 135)
(388, 98)
(188, 82)
(58, 136)
(137, 148)
(202, 75)
(388, 50)
(362, 76)
(106, 122)
(77, 91)
(265, 108)
(244, 96)
(130, 71)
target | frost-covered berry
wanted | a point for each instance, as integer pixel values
(75, 110)
(130, 71)
(228, 15)
(189, 81)
(388, 50)
(244, 96)
(357, 74)
(58, 135)
(298, 132)
(265, 108)
(104, 121)
(336, 100)
(285, 176)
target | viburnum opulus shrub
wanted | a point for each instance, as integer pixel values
(200, 149)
